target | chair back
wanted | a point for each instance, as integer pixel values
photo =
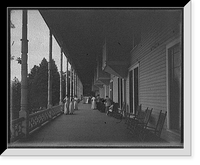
(123, 110)
(160, 123)
(138, 110)
(147, 115)
(139, 113)
(124, 106)
(115, 107)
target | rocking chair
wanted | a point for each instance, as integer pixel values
(139, 123)
(130, 116)
(156, 131)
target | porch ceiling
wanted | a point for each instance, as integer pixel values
(82, 32)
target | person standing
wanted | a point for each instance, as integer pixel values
(87, 100)
(98, 102)
(107, 103)
(71, 106)
(93, 103)
(66, 105)
(75, 103)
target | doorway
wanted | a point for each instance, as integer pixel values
(136, 98)
(131, 90)
(134, 88)
(111, 90)
(120, 92)
(175, 88)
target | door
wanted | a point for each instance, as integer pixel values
(136, 99)
(111, 90)
(131, 90)
(120, 92)
(175, 88)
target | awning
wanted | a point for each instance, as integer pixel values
(115, 59)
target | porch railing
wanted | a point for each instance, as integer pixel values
(16, 130)
(35, 121)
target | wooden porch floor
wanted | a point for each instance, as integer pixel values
(86, 128)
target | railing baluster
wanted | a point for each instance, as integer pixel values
(36, 120)
(16, 131)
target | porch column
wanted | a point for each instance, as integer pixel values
(71, 91)
(124, 86)
(49, 72)
(74, 83)
(24, 72)
(77, 87)
(61, 65)
(67, 77)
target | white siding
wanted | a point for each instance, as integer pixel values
(106, 87)
(158, 31)
(115, 89)
(127, 94)
(101, 92)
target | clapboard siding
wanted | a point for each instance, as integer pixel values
(127, 94)
(157, 72)
(157, 30)
(156, 54)
(155, 82)
(115, 89)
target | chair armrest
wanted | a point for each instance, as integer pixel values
(120, 110)
(139, 117)
(141, 123)
(130, 114)
(153, 129)
(150, 127)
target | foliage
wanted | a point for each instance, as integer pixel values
(55, 84)
(38, 85)
(15, 98)
(38, 88)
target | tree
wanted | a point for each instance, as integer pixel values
(39, 90)
(63, 85)
(33, 72)
(15, 98)
(38, 85)
(32, 103)
(12, 26)
(55, 83)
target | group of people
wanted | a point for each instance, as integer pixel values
(97, 103)
(70, 105)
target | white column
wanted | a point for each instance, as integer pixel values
(78, 94)
(71, 91)
(49, 72)
(61, 66)
(73, 82)
(67, 77)
(24, 72)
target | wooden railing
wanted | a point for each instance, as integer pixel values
(38, 119)
(35, 121)
(16, 130)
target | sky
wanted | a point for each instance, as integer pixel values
(38, 45)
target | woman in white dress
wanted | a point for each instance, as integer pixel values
(75, 103)
(93, 103)
(71, 106)
(87, 100)
(66, 105)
